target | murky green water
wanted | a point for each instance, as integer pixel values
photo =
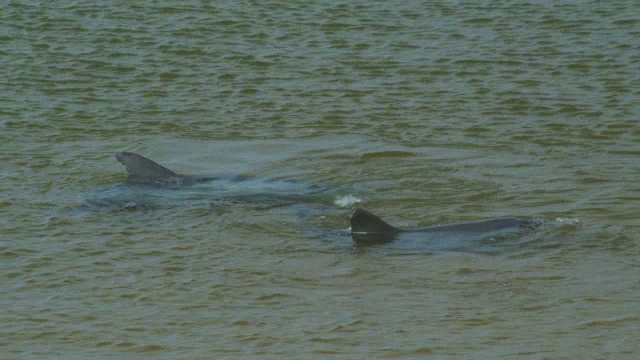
(428, 112)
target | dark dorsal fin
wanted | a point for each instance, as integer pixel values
(140, 166)
(364, 223)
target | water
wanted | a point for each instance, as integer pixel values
(427, 112)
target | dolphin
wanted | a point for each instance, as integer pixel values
(150, 185)
(145, 171)
(367, 228)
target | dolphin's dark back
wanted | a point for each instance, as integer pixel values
(368, 228)
(147, 172)
(140, 167)
(482, 226)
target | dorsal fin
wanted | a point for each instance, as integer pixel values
(140, 166)
(365, 223)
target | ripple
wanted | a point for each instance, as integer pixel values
(431, 113)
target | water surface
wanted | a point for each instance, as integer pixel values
(428, 112)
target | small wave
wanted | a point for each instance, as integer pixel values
(346, 201)
(567, 221)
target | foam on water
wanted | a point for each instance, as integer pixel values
(346, 201)
(567, 221)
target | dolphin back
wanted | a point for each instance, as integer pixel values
(367, 228)
(140, 167)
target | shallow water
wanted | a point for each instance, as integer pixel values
(428, 113)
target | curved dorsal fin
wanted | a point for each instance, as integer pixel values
(140, 166)
(363, 222)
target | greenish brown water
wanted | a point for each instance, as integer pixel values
(428, 112)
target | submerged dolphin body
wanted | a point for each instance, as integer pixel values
(367, 229)
(150, 186)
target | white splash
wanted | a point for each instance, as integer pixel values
(346, 201)
(567, 221)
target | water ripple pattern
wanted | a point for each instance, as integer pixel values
(424, 112)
